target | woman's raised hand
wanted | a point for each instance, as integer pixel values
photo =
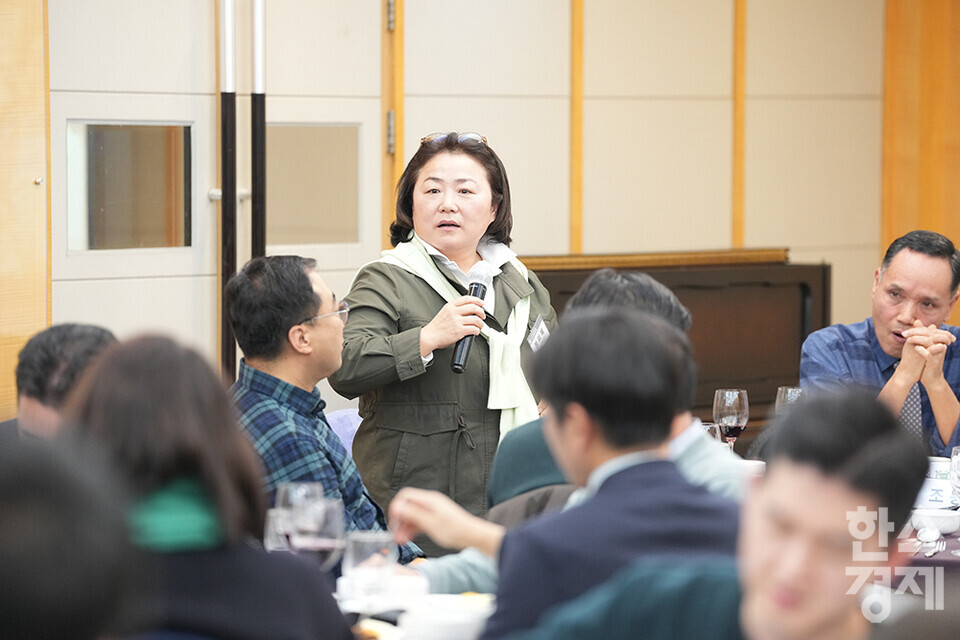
(458, 318)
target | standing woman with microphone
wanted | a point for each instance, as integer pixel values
(424, 425)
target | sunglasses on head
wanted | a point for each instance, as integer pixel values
(436, 138)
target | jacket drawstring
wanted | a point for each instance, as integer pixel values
(460, 434)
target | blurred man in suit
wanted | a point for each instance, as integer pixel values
(526, 481)
(840, 482)
(613, 382)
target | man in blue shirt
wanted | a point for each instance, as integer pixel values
(904, 352)
(290, 327)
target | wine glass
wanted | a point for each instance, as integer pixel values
(712, 429)
(785, 397)
(731, 412)
(274, 536)
(311, 523)
(955, 479)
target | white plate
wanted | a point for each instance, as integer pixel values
(383, 630)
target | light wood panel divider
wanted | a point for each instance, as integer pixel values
(576, 127)
(24, 186)
(921, 127)
(392, 87)
(739, 119)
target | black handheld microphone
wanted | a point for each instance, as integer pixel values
(462, 350)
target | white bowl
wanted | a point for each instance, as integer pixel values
(446, 616)
(944, 520)
(754, 467)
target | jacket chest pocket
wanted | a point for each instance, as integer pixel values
(405, 322)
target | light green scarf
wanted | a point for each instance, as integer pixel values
(509, 392)
(178, 517)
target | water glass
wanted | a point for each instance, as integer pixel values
(785, 397)
(369, 562)
(311, 523)
(712, 429)
(955, 479)
(274, 531)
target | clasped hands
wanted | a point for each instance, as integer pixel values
(923, 354)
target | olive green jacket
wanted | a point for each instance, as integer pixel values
(424, 426)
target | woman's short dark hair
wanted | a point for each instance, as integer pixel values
(162, 413)
(502, 224)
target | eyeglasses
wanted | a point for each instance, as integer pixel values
(342, 308)
(468, 136)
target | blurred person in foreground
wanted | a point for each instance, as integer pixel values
(65, 552)
(48, 366)
(939, 624)
(162, 415)
(289, 325)
(840, 482)
(904, 352)
(608, 424)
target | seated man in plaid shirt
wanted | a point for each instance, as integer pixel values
(290, 327)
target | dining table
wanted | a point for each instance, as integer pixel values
(944, 558)
(403, 608)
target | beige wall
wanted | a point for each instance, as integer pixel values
(813, 138)
(657, 130)
(658, 122)
(500, 68)
(658, 125)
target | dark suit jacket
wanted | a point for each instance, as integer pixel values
(239, 593)
(9, 430)
(645, 510)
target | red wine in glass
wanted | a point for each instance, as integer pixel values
(731, 411)
(731, 432)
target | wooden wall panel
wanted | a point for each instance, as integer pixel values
(921, 126)
(23, 186)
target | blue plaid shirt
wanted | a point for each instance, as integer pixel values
(845, 354)
(287, 426)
